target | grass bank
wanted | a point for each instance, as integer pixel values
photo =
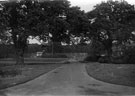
(121, 74)
(17, 74)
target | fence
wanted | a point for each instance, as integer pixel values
(33, 50)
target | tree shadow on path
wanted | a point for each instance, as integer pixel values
(93, 91)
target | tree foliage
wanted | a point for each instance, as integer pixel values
(55, 20)
(112, 21)
(31, 18)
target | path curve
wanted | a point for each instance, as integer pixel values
(69, 79)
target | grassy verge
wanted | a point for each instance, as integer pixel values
(121, 74)
(23, 73)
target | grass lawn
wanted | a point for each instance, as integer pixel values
(121, 74)
(24, 73)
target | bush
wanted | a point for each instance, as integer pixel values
(129, 55)
(104, 59)
(118, 60)
(92, 58)
(96, 50)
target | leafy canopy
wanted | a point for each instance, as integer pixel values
(112, 21)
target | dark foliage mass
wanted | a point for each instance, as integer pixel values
(112, 21)
(109, 24)
(129, 55)
(49, 20)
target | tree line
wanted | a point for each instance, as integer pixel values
(106, 23)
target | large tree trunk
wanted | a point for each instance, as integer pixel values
(108, 46)
(20, 43)
(109, 52)
(19, 56)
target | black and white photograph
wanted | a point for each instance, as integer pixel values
(67, 47)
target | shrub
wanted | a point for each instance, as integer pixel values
(118, 60)
(129, 55)
(92, 58)
(104, 59)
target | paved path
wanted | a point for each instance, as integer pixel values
(70, 79)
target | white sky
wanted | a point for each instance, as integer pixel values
(84, 2)
(88, 4)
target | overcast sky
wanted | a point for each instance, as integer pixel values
(87, 5)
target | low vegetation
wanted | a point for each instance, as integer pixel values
(17, 74)
(121, 74)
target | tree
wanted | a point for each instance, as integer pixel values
(24, 18)
(57, 26)
(3, 33)
(65, 21)
(50, 19)
(112, 21)
(32, 18)
(78, 23)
